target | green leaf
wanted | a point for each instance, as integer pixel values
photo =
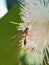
(46, 56)
(9, 49)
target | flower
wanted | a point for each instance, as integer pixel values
(35, 14)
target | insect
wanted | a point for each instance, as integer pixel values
(25, 33)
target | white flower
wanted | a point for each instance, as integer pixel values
(35, 14)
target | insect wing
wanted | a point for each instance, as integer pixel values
(17, 35)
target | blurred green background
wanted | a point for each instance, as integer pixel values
(9, 49)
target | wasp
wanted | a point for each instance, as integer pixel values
(25, 33)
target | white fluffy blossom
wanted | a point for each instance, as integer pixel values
(35, 14)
